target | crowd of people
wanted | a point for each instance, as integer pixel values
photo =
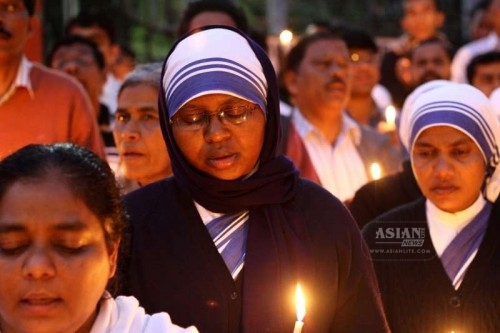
(197, 193)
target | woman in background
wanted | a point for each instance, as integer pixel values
(137, 132)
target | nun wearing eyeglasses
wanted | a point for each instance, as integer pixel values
(223, 243)
(450, 282)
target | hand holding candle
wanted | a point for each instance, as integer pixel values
(300, 303)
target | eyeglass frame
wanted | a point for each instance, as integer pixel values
(221, 114)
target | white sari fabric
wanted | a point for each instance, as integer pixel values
(124, 315)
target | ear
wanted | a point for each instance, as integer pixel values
(33, 24)
(439, 21)
(290, 81)
(114, 50)
(113, 258)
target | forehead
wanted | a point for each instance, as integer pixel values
(210, 18)
(415, 5)
(429, 50)
(443, 134)
(138, 93)
(75, 50)
(327, 47)
(493, 67)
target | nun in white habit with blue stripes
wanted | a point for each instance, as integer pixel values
(452, 135)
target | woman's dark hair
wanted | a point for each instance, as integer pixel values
(89, 177)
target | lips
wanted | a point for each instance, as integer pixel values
(443, 189)
(40, 303)
(222, 160)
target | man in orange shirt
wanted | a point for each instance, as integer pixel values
(37, 105)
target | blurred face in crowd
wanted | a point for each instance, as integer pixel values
(101, 38)
(323, 79)
(225, 147)
(365, 71)
(480, 25)
(211, 18)
(494, 15)
(15, 27)
(78, 61)
(421, 19)
(487, 77)
(138, 136)
(449, 168)
(54, 250)
(429, 62)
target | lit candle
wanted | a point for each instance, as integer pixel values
(286, 37)
(375, 171)
(389, 125)
(390, 116)
(300, 303)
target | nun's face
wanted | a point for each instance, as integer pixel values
(225, 147)
(449, 168)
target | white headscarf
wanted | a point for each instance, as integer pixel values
(228, 66)
(463, 107)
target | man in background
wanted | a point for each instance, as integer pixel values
(37, 104)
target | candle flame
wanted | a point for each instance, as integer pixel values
(390, 115)
(286, 37)
(300, 302)
(375, 171)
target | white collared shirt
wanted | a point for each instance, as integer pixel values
(444, 227)
(339, 166)
(465, 54)
(22, 80)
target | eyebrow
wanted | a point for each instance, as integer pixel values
(72, 226)
(141, 109)
(454, 143)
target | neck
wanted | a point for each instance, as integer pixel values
(361, 108)
(328, 121)
(8, 73)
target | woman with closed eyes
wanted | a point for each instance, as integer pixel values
(223, 243)
(60, 228)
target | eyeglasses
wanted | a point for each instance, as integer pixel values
(193, 120)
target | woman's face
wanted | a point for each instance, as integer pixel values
(220, 149)
(449, 168)
(55, 255)
(138, 136)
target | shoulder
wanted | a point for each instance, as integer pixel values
(151, 198)
(412, 211)
(125, 315)
(44, 77)
(475, 47)
(325, 215)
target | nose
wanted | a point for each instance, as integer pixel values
(443, 168)
(38, 264)
(129, 131)
(216, 131)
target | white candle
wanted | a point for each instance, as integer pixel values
(389, 125)
(390, 116)
(300, 303)
(375, 171)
